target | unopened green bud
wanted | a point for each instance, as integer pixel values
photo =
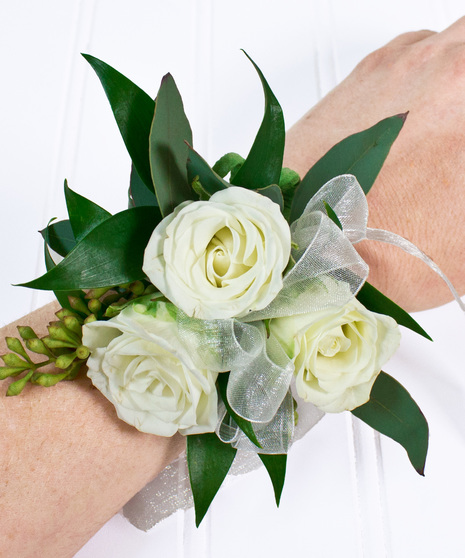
(37, 346)
(94, 306)
(82, 352)
(137, 287)
(63, 361)
(48, 380)
(78, 304)
(113, 310)
(73, 325)
(74, 370)
(27, 332)
(63, 312)
(8, 371)
(111, 299)
(60, 332)
(90, 319)
(17, 387)
(57, 344)
(288, 179)
(16, 346)
(11, 359)
(97, 293)
(124, 286)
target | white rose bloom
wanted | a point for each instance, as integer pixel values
(337, 353)
(220, 258)
(139, 363)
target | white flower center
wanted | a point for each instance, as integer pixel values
(333, 343)
(221, 255)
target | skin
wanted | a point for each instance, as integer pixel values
(48, 498)
(420, 191)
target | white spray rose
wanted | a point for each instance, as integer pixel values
(139, 363)
(337, 353)
(220, 258)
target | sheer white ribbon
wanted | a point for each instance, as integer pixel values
(259, 387)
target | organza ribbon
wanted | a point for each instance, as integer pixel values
(259, 386)
(347, 199)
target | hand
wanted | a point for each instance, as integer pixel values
(420, 192)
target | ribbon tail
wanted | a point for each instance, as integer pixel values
(407, 246)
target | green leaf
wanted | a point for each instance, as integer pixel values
(244, 425)
(59, 236)
(111, 254)
(332, 215)
(168, 149)
(276, 467)
(273, 192)
(139, 194)
(61, 296)
(84, 215)
(265, 159)
(230, 162)
(361, 154)
(197, 167)
(375, 301)
(394, 413)
(208, 461)
(133, 110)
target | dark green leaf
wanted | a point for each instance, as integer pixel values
(334, 218)
(265, 159)
(61, 296)
(276, 467)
(168, 149)
(84, 215)
(244, 425)
(198, 167)
(394, 413)
(230, 162)
(273, 192)
(139, 194)
(133, 110)
(59, 236)
(111, 254)
(375, 301)
(361, 154)
(208, 461)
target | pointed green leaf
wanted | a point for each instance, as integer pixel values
(276, 467)
(111, 254)
(133, 110)
(394, 413)
(273, 192)
(208, 461)
(59, 236)
(168, 149)
(84, 215)
(332, 215)
(198, 167)
(361, 154)
(265, 159)
(244, 425)
(61, 296)
(139, 194)
(375, 301)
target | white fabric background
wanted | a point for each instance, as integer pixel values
(347, 493)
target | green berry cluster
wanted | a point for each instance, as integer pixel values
(63, 347)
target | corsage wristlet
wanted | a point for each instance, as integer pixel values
(225, 309)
